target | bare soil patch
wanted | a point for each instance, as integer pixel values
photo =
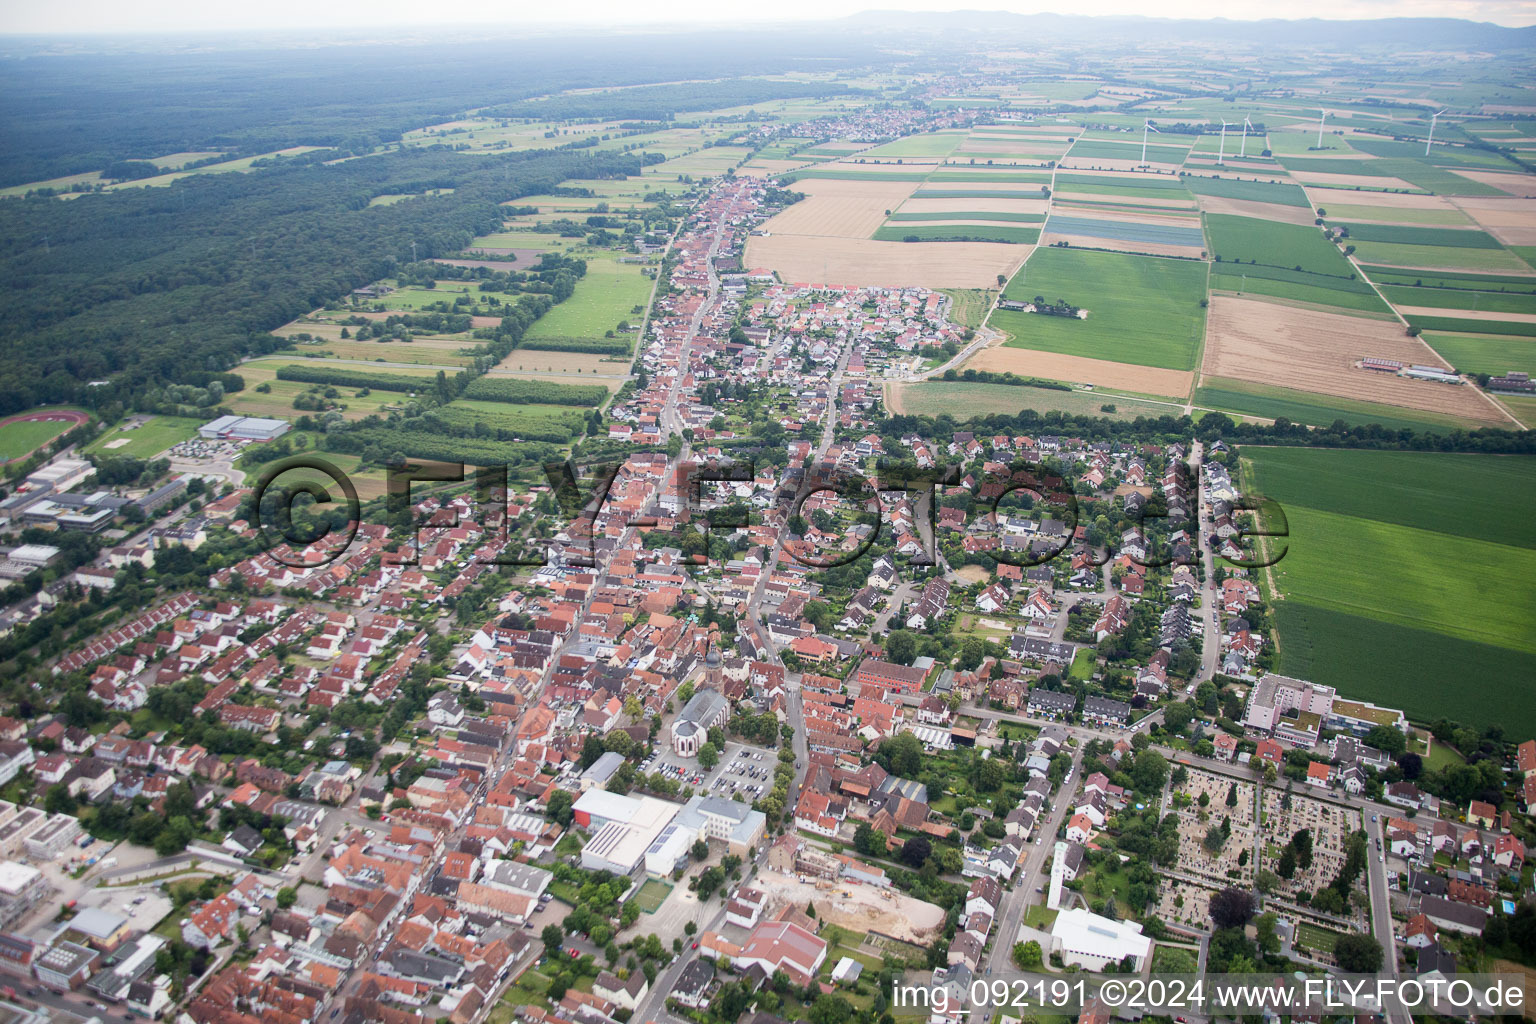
(1263, 211)
(810, 259)
(533, 361)
(1148, 380)
(1350, 180)
(1467, 314)
(862, 909)
(1310, 350)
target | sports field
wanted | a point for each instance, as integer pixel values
(20, 437)
(1401, 565)
(1141, 309)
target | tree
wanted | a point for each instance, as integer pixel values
(559, 807)
(1232, 795)
(901, 755)
(709, 756)
(1387, 738)
(286, 898)
(700, 849)
(1178, 716)
(916, 851)
(1265, 927)
(1027, 954)
(1287, 866)
(1232, 907)
(869, 841)
(901, 647)
(1358, 953)
(553, 936)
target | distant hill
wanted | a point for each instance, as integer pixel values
(1380, 33)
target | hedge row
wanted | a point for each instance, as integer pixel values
(340, 376)
(601, 346)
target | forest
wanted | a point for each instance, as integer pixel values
(152, 286)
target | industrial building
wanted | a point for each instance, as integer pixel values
(623, 829)
(243, 428)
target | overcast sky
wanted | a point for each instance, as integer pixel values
(197, 15)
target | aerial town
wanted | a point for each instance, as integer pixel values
(749, 688)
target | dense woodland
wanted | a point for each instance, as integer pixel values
(149, 286)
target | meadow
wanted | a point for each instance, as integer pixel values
(1457, 298)
(1442, 257)
(1282, 283)
(151, 438)
(1460, 238)
(1404, 570)
(1097, 150)
(1141, 309)
(608, 293)
(1479, 354)
(1243, 239)
(1468, 325)
(918, 145)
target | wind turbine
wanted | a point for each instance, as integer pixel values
(1431, 140)
(1146, 127)
(1247, 127)
(1221, 155)
(1320, 128)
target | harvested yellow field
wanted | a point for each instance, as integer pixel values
(1467, 314)
(811, 259)
(839, 209)
(1512, 221)
(1148, 380)
(1311, 350)
(769, 168)
(1398, 201)
(1350, 180)
(1039, 206)
(1118, 245)
(1514, 184)
(533, 361)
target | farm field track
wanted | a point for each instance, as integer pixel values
(806, 259)
(1263, 211)
(1368, 603)
(1308, 350)
(937, 398)
(838, 209)
(1148, 380)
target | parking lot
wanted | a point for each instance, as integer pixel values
(743, 769)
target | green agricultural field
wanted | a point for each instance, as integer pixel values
(1416, 561)
(1256, 191)
(1455, 298)
(1455, 325)
(1471, 353)
(972, 193)
(1450, 279)
(1497, 260)
(1295, 246)
(1279, 283)
(1457, 238)
(838, 174)
(1432, 179)
(1141, 309)
(608, 293)
(1440, 155)
(956, 233)
(963, 400)
(1269, 402)
(1099, 150)
(1141, 182)
(24, 437)
(1287, 143)
(1351, 213)
(981, 215)
(937, 144)
(149, 440)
